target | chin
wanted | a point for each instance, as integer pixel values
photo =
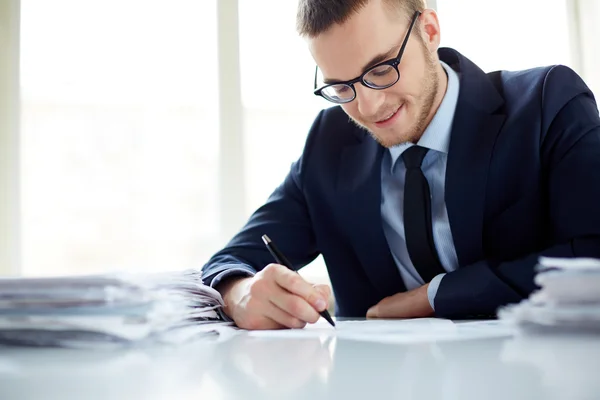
(385, 137)
(390, 139)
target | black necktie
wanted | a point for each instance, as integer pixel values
(417, 216)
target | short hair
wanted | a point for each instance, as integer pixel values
(317, 16)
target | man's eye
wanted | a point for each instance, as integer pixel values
(381, 71)
(341, 89)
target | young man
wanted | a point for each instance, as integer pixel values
(432, 189)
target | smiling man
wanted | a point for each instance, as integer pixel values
(432, 188)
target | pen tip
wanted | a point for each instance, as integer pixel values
(266, 239)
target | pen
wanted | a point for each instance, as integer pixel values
(281, 259)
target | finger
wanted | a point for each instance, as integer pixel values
(293, 283)
(296, 306)
(373, 312)
(389, 307)
(257, 322)
(283, 318)
(325, 291)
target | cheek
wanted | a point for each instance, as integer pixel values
(351, 109)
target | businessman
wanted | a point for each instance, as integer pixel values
(430, 187)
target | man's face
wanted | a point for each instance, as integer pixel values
(401, 112)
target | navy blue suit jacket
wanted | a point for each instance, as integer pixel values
(522, 180)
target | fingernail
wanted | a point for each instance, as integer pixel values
(321, 305)
(372, 312)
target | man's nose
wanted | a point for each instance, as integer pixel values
(369, 100)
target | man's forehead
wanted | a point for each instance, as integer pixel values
(345, 51)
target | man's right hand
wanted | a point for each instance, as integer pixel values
(274, 298)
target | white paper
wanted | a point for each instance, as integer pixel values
(568, 297)
(118, 309)
(394, 331)
(569, 264)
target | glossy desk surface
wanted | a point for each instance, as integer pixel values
(528, 367)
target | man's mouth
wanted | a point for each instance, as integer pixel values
(388, 119)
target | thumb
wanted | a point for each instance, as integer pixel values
(373, 312)
(383, 309)
(324, 291)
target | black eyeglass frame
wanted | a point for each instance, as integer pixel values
(394, 62)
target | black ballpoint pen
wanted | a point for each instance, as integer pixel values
(281, 259)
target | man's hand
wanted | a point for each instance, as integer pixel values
(274, 298)
(411, 304)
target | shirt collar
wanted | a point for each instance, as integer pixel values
(437, 134)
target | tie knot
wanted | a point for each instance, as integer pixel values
(413, 156)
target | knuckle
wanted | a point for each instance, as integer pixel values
(269, 270)
(295, 282)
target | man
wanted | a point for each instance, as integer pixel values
(432, 189)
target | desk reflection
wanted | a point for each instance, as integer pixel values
(246, 367)
(273, 368)
(323, 368)
(568, 365)
(96, 374)
(258, 368)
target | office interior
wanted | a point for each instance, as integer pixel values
(140, 135)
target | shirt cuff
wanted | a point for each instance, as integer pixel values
(228, 273)
(433, 288)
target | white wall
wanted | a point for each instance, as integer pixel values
(586, 32)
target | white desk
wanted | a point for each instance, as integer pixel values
(517, 367)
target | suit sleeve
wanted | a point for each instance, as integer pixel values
(570, 152)
(284, 218)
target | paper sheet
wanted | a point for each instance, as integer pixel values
(394, 331)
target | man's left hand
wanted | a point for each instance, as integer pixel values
(411, 304)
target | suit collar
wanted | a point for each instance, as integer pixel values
(473, 82)
(437, 134)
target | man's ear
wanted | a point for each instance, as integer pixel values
(430, 30)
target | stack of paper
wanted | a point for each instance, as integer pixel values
(569, 296)
(105, 310)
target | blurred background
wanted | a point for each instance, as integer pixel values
(140, 135)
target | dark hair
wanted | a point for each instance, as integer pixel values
(316, 16)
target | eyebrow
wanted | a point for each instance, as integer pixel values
(374, 61)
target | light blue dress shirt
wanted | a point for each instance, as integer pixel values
(436, 138)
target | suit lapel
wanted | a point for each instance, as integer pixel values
(477, 122)
(466, 179)
(359, 191)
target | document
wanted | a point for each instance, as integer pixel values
(106, 310)
(568, 297)
(395, 331)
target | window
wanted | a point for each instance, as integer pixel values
(119, 135)
(120, 131)
(510, 35)
(277, 73)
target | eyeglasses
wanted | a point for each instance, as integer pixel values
(381, 76)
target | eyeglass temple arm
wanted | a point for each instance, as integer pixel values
(410, 28)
